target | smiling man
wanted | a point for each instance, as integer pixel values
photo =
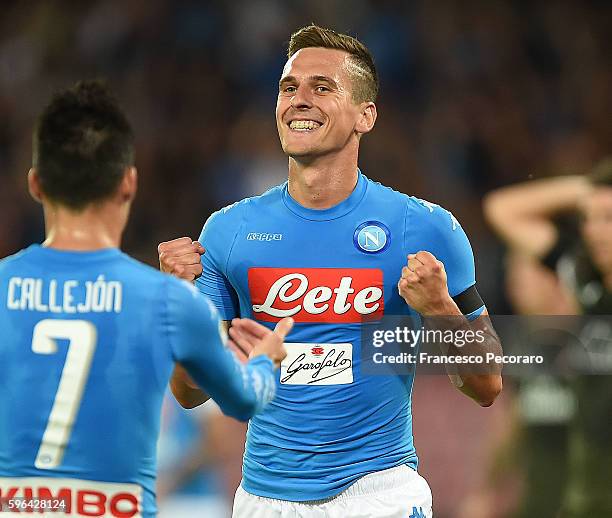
(329, 248)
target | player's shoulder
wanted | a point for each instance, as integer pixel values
(419, 212)
(184, 301)
(162, 285)
(234, 214)
(9, 262)
(222, 224)
(428, 215)
(269, 197)
(384, 194)
(178, 287)
(109, 261)
(138, 271)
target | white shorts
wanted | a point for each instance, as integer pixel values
(393, 493)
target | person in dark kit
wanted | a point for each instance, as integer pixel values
(556, 270)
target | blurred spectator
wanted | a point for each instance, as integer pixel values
(186, 483)
(474, 95)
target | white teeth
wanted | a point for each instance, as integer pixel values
(304, 125)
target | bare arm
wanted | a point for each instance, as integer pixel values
(483, 386)
(522, 214)
(534, 289)
(185, 390)
(423, 285)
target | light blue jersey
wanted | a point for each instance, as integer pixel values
(89, 341)
(268, 257)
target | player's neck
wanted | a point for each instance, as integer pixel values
(93, 228)
(321, 184)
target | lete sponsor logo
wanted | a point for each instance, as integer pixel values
(317, 294)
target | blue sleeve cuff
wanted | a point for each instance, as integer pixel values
(475, 314)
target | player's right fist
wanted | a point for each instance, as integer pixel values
(181, 258)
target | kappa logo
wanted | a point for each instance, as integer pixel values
(263, 236)
(372, 237)
(432, 206)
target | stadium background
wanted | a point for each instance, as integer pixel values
(474, 95)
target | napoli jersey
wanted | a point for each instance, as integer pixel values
(268, 257)
(89, 343)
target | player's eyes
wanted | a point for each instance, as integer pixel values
(289, 89)
(322, 89)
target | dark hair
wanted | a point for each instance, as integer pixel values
(83, 143)
(601, 174)
(363, 72)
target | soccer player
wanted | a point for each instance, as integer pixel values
(91, 336)
(329, 248)
(557, 271)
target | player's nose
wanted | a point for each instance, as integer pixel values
(302, 98)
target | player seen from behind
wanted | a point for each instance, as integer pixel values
(90, 336)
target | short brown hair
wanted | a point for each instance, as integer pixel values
(363, 72)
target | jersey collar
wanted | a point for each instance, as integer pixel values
(65, 256)
(337, 211)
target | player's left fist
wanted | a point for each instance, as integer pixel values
(423, 285)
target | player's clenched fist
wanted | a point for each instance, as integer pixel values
(181, 258)
(423, 285)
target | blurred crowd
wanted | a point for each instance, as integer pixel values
(474, 95)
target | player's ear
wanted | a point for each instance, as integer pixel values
(34, 185)
(129, 184)
(367, 118)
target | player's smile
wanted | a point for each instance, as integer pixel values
(306, 122)
(304, 125)
(315, 110)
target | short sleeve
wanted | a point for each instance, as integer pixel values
(448, 242)
(217, 238)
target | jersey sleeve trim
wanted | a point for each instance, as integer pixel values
(235, 238)
(166, 324)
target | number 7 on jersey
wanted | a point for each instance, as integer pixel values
(82, 336)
